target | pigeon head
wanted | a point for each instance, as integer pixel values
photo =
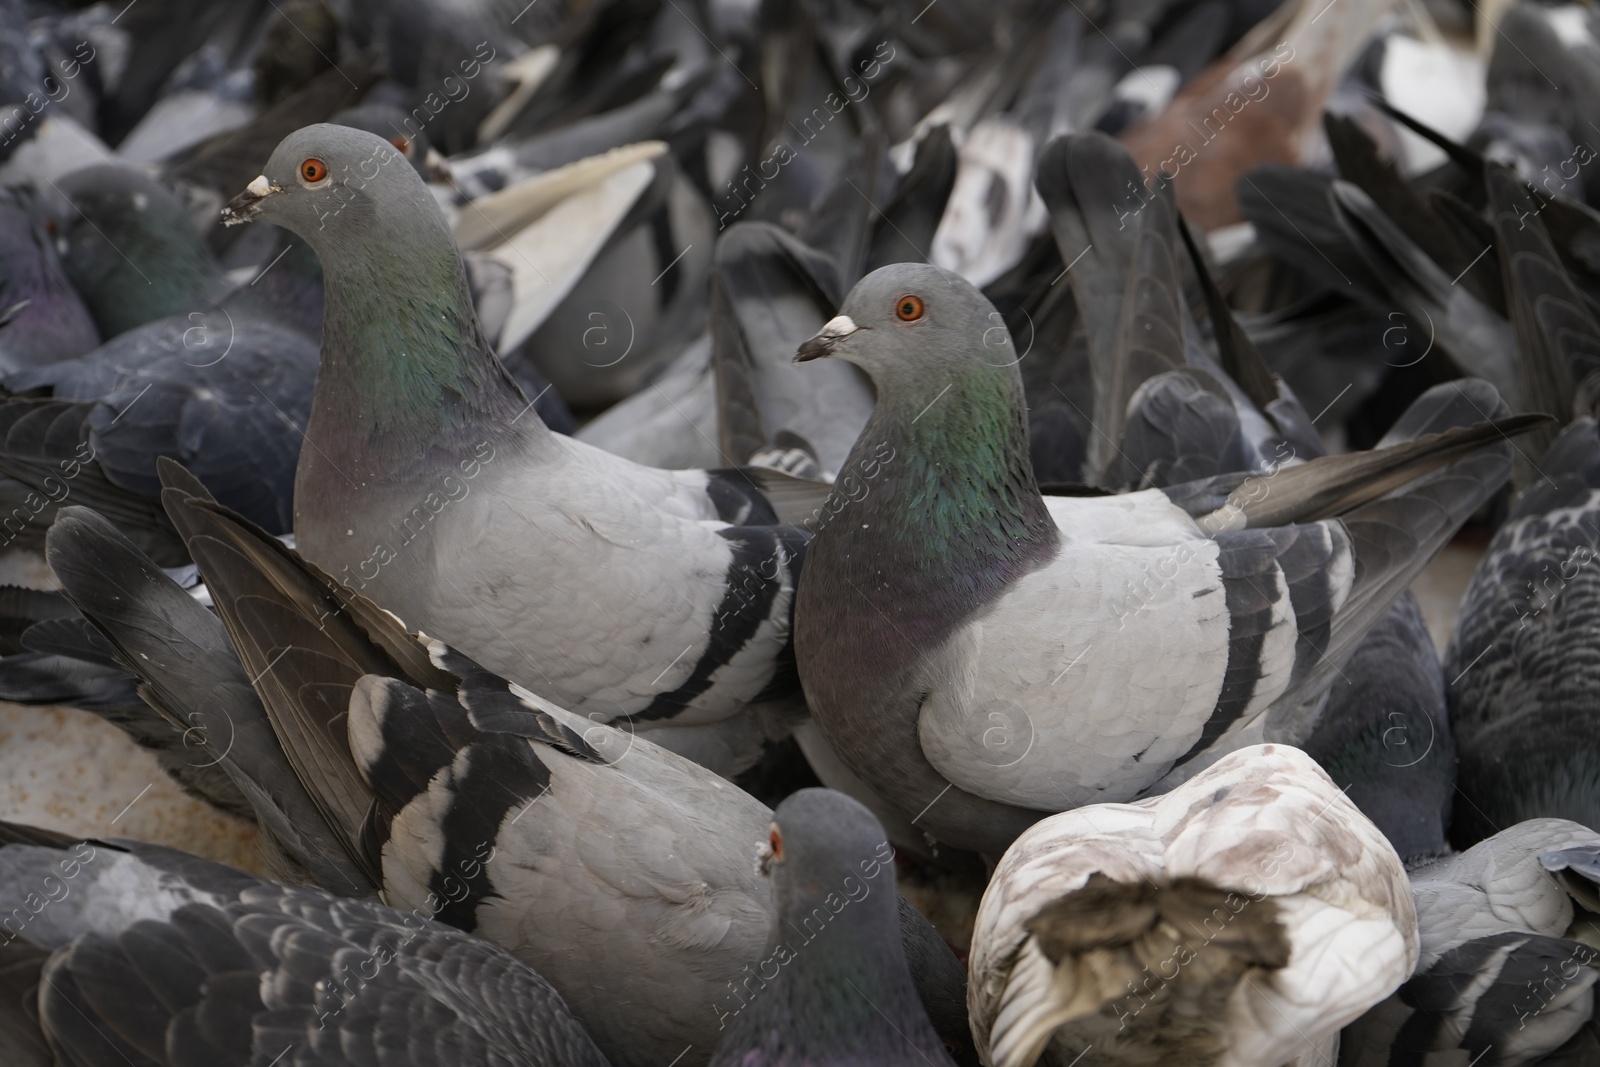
(127, 244)
(834, 986)
(827, 851)
(42, 318)
(337, 187)
(914, 320)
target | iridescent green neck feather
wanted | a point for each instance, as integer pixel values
(406, 372)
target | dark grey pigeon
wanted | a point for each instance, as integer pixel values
(143, 955)
(431, 486)
(833, 987)
(1105, 646)
(227, 394)
(130, 249)
(1523, 664)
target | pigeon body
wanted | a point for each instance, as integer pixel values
(1238, 920)
(225, 393)
(842, 993)
(1507, 967)
(983, 654)
(430, 486)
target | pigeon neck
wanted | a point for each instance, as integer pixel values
(406, 373)
(834, 976)
(956, 515)
(147, 275)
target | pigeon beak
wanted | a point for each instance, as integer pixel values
(435, 168)
(247, 205)
(833, 331)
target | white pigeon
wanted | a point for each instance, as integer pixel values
(1237, 921)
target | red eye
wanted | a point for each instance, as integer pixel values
(775, 843)
(909, 308)
(313, 170)
(401, 142)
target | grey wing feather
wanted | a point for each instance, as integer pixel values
(1522, 661)
(229, 968)
(188, 670)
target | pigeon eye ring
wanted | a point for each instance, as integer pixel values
(909, 308)
(313, 170)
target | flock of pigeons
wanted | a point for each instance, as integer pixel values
(1000, 436)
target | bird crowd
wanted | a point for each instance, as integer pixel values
(784, 533)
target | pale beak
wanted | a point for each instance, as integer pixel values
(435, 168)
(247, 205)
(833, 331)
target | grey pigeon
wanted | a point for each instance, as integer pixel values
(128, 246)
(1507, 968)
(615, 589)
(139, 954)
(225, 393)
(832, 986)
(375, 759)
(1385, 737)
(981, 654)
(1383, 733)
(1155, 382)
(1522, 662)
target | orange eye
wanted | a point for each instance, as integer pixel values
(775, 843)
(313, 170)
(401, 142)
(909, 308)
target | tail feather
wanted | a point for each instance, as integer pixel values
(1091, 955)
(1289, 208)
(189, 672)
(1359, 162)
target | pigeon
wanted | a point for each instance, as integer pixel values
(832, 986)
(1383, 732)
(771, 291)
(42, 317)
(439, 495)
(1385, 735)
(1522, 659)
(224, 391)
(381, 761)
(1507, 964)
(1240, 919)
(1154, 380)
(119, 952)
(918, 630)
(130, 250)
